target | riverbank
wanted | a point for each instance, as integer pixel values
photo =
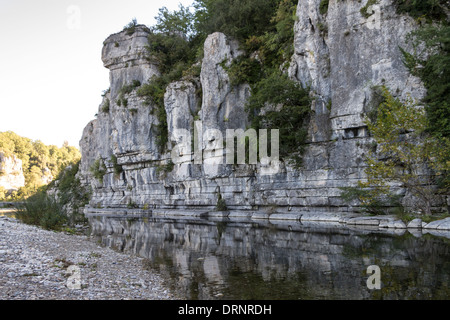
(383, 223)
(36, 264)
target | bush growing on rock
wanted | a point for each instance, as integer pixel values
(406, 155)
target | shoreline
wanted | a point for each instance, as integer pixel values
(382, 223)
(36, 264)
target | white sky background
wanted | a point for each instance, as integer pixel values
(51, 73)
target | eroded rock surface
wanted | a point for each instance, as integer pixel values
(342, 55)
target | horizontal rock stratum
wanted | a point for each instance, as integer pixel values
(341, 67)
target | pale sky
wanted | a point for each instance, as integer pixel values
(51, 73)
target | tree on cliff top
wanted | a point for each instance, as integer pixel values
(239, 19)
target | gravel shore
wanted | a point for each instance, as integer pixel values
(36, 264)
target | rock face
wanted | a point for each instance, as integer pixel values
(11, 173)
(341, 55)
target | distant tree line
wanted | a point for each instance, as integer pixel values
(38, 160)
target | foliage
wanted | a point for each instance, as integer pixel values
(221, 205)
(373, 201)
(105, 106)
(278, 102)
(268, 42)
(98, 169)
(419, 9)
(42, 210)
(179, 22)
(165, 168)
(239, 19)
(171, 53)
(117, 167)
(323, 6)
(272, 48)
(154, 91)
(275, 46)
(131, 204)
(37, 159)
(130, 28)
(173, 46)
(177, 40)
(364, 10)
(70, 192)
(405, 152)
(125, 90)
(431, 62)
(3, 193)
(243, 70)
(56, 205)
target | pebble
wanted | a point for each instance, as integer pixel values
(36, 263)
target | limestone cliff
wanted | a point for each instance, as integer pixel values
(11, 173)
(340, 54)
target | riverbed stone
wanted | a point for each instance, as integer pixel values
(443, 224)
(398, 224)
(369, 221)
(321, 216)
(415, 224)
(285, 216)
(35, 264)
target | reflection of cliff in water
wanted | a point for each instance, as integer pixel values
(258, 260)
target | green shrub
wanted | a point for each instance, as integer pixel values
(243, 70)
(117, 168)
(423, 9)
(130, 28)
(366, 14)
(289, 112)
(126, 90)
(371, 200)
(153, 92)
(165, 168)
(323, 7)
(404, 150)
(431, 63)
(276, 46)
(131, 204)
(106, 105)
(221, 205)
(98, 169)
(236, 18)
(42, 210)
(71, 191)
(173, 43)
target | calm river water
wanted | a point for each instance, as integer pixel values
(208, 259)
